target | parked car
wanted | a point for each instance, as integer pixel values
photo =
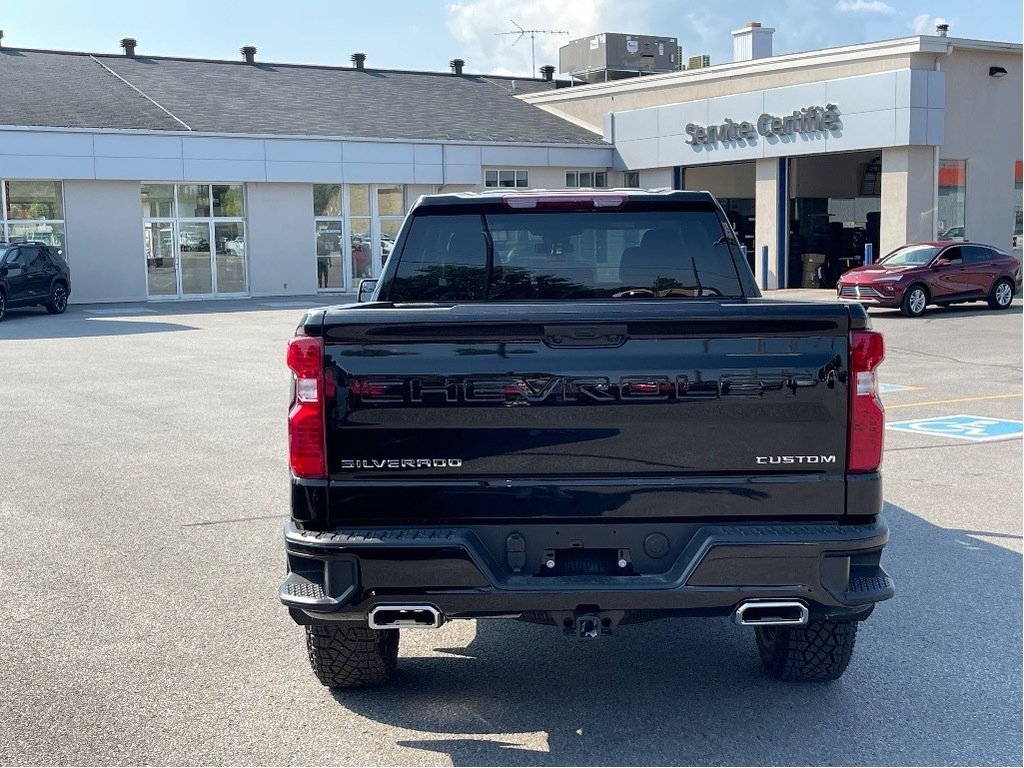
(952, 233)
(33, 273)
(941, 273)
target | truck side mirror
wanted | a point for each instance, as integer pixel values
(366, 289)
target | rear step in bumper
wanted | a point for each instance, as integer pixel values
(757, 573)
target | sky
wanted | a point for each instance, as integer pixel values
(426, 34)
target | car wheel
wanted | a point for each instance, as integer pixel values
(58, 299)
(345, 656)
(819, 652)
(914, 301)
(1001, 295)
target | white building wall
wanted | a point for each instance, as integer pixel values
(281, 239)
(985, 129)
(908, 197)
(766, 214)
(106, 250)
(898, 108)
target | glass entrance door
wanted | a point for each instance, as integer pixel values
(194, 240)
(161, 258)
(195, 261)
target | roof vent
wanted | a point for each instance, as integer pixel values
(456, 65)
(547, 72)
(248, 53)
(129, 43)
(358, 60)
(942, 29)
(1, 38)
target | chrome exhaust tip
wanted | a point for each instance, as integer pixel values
(771, 613)
(405, 617)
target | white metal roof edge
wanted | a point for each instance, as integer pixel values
(927, 44)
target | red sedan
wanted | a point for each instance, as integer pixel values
(942, 273)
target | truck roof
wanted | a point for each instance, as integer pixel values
(491, 195)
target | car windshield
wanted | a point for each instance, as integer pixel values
(567, 255)
(909, 255)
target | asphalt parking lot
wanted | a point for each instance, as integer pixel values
(145, 486)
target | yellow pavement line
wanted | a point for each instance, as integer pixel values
(956, 400)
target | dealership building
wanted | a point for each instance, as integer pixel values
(165, 178)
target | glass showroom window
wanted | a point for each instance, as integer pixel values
(327, 222)
(586, 179)
(390, 212)
(361, 228)
(506, 178)
(194, 239)
(371, 214)
(33, 211)
(952, 199)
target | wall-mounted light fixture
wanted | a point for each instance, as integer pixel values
(997, 72)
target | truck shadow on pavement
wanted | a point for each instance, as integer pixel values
(21, 324)
(935, 680)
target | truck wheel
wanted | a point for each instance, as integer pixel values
(1001, 296)
(818, 652)
(914, 301)
(344, 656)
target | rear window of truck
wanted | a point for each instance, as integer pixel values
(566, 255)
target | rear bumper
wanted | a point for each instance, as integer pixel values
(502, 570)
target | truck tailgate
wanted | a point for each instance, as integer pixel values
(631, 409)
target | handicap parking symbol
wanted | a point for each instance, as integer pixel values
(962, 427)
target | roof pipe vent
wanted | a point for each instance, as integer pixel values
(548, 72)
(942, 30)
(1, 38)
(248, 53)
(358, 60)
(129, 43)
(456, 65)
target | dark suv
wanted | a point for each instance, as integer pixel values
(33, 273)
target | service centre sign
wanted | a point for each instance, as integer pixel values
(806, 120)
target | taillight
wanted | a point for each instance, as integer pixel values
(307, 450)
(867, 416)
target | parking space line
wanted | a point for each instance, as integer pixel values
(955, 400)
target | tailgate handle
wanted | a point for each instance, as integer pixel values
(566, 336)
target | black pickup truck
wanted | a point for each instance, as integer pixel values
(574, 408)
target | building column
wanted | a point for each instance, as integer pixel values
(908, 197)
(770, 214)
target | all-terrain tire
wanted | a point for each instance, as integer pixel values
(344, 656)
(819, 652)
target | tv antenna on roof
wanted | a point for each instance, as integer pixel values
(521, 33)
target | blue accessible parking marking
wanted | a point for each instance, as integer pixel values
(962, 427)
(883, 388)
